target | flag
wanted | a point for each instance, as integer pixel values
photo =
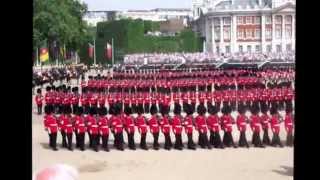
(108, 51)
(63, 52)
(90, 50)
(44, 54)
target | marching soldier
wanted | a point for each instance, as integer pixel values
(129, 127)
(69, 130)
(50, 124)
(242, 126)
(154, 129)
(288, 122)
(80, 129)
(188, 125)
(39, 100)
(103, 128)
(90, 120)
(200, 124)
(117, 128)
(265, 120)
(275, 126)
(165, 128)
(227, 121)
(75, 99)
(256, 128)
(177, 128)
(62, 121)
(213, 125)
(142, 127)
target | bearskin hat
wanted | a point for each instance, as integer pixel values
(201, 109)
(153, 109)
(39, 91)
(102, 111)
(177, 109)
(47, 110)
(48, 88)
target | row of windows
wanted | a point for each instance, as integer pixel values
(268, 19)
(257, 48)
(249, 34)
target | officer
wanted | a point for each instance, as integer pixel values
(39, 100)
(50, 124)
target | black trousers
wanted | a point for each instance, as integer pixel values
(167, 141)
(228, 139)
(256, 140)
(276, 140)
(243, 140)
(131, 142)
(53, 140)
(119, 141)
(289, 139)
(69, 138)
(94, 141)
(39, 109)
(64, 139)
(203, 141)
(233, 105)
(105, 138)
(80, 138)
(147, 107)
(74, 108)
(155, 140)
(265, 139)
(215, 139)
(178, 142)
(191, 144)
(143, 143)
(218, 105)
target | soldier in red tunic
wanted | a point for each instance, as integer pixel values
(213, 125)
(242, 126)
(128, 123)
(154, 129)
(89, 121)
(275, 127)
(117, 127)
(177, 128)
(50, 124)
(288, 123)
(39, 99)
(79, 128)
(201, 126)
(188, 126)
(265, 120)
(165, 128)
(142, 127)
(256, 127)
(67, 128)
(103, 128)
(227, 121)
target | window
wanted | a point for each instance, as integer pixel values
(248, 20)
(258, 34)
(248, 34)
(278, 48)
(278, 19)
(227, 49)
(288, 31)
(226, 20)
(288, 19)
(268, 33)
(268, 19)
(240, 48)
(257, 20)
(216, 21)
(226, 33)
(239, 20)
(288, 47)
(278, 31)
(240, 33)
(249, 48)
(257, 48)
(218, 49)
(269, 48)
(216, 33)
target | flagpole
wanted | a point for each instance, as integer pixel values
(37, 53)
(94, 51)
(112, 54)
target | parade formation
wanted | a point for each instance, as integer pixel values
(201, 101)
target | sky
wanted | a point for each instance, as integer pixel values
(94, 5)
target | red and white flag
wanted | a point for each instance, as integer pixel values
(90, 50)
(108, 51)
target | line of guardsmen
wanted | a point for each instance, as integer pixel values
(98, 126)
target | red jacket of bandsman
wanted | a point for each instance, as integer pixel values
(84, 100)
(241, 122)
(275, 125)
(128, 123)
(93, 100)
(102, 100)
(213, 123)
(90, 120)
(39, 99)
(227, 121)
(48, 98)
(66, 124)
(288, 122)
(265, 120)
(146, 98)
(103, 125)
(176, 124)
(200, 124)
(188, 124)
(116, 124)
(165, 125)
(141, 124)
(255, 123)
(50, 123)
(202, 97)
(79, 125)
(62, 121)
(127, 99)
(153, 124)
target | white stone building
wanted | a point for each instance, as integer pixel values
(230, 26)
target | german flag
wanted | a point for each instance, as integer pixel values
(44, 54)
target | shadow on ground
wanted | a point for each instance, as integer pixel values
(285, 171)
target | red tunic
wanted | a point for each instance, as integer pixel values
(201, 124)
(39, 99)
(63, 120)
(188, 124)
(116, 124)
(255, 123)
(213, 123)
(227, 123)
(153, 125)
(102, 100)
(103, 125)
(176, 125)
(50, 123)
(265, 119)
(275, 125)
(165, 125)
(140, 122)
(241, 123)
(288, 123)
(79, 125)
(128, 124)
(75, 99)
(90, 120)
(94, 129)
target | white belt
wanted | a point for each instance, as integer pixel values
(154, 125)
(94, 126)
(143, 125)
(229, 125)
(276, 125)
(69, 125)
(215, 124)
(105, 126)
(118, 125)
(53, 124)
(242, 123)
(178, 126)
(289, 123)
(189, 126)
(166, 125)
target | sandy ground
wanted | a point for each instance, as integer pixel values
(227, 164)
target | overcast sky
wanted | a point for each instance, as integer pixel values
(135, 4)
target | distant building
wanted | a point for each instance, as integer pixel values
(230, 26)
(93, 17)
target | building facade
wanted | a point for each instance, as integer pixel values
(93, 17)
(230, 26)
